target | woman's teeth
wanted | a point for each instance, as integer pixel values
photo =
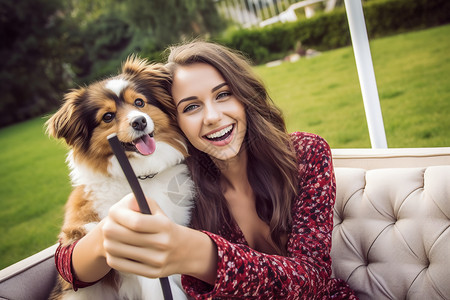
(220, 133)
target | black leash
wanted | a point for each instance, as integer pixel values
(138, 193)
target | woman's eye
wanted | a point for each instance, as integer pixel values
(139, 102)
(190, 107)
(108, 117)
(222, 95)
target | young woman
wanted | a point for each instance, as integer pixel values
(263, 218)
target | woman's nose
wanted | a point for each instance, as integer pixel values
(212, 114)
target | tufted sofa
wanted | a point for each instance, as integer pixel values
(391, 237)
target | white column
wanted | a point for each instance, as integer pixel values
(330, 5)
(272, 8)
(280, 6)
(258, 11)
(252, 13)
(266, 10)
(366, 73)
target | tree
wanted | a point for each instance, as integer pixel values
(100, 44)
(31, 69)
(48, 46)
(168, 21)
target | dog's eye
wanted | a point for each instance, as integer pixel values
(108, 117)
(139, 102)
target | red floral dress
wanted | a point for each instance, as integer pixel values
(305, 273)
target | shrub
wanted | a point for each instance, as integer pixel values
(330, 30)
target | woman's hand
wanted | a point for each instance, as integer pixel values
(153, 245)
(141, 244)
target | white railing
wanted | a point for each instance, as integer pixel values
(251, 13)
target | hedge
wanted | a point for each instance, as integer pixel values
(330, 30)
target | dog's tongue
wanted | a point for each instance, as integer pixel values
(145, 145)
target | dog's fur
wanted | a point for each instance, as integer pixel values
(130, 105)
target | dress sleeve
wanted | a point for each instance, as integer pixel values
(305, 272)
(63, 262)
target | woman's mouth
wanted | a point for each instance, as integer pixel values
(220, 135)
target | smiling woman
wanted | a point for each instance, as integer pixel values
(264, 196)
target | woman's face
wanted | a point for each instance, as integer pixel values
(210, 116)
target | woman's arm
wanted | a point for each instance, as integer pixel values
(82, 263)
(89, 258)
(200, 259)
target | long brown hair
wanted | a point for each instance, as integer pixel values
(272, 167)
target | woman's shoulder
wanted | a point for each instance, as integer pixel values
(305, 141)
(310, 148)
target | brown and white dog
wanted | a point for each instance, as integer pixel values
(128, 104)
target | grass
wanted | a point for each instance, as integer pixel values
(320, 95)
(34, 185)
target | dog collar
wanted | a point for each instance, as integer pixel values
(143, 177)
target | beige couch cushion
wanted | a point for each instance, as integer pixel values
(391, 238)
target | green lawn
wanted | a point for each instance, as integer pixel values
(34, 185)
(320, 95)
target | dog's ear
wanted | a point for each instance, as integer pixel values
(68, 121)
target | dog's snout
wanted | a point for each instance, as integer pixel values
(139, 123)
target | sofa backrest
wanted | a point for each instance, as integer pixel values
(391, 236)
(32, 278)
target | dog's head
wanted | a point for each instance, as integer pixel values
(128, 104)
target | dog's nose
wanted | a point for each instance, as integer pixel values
(139, 123)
